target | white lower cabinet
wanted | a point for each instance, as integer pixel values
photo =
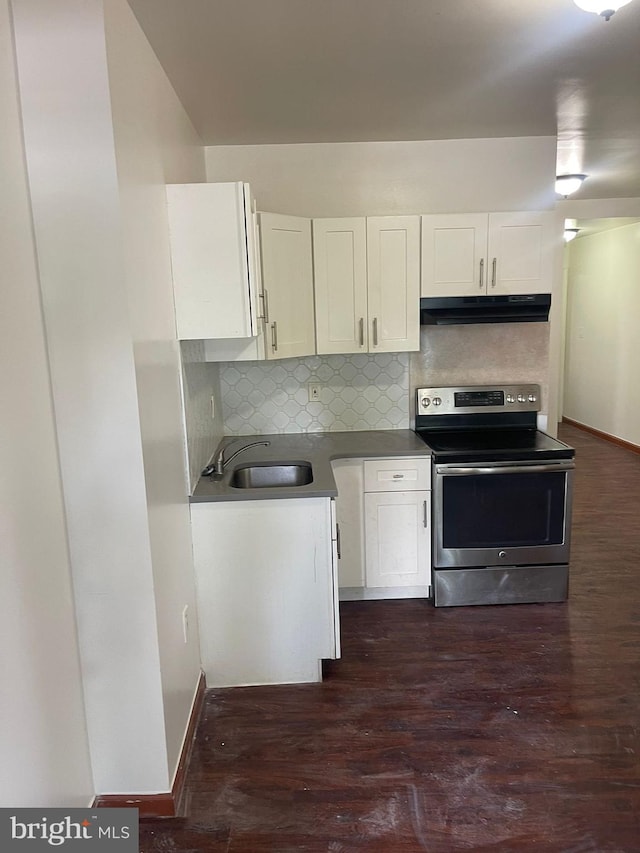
(266, 589)
(384, 521)
(349, 508)
(397, 524)
(397, 539)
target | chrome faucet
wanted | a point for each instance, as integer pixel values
(217, 469)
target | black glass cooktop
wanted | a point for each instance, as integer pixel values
(499, 444)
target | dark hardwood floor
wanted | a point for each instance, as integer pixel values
(512, 728)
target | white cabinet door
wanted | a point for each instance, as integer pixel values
(287, 277)
(488, 254)
(212, 253)
(334, 645)
(348, 474)
(454, 254)
(397, 535)
(520, 253)
(264, 589)
(393, 269)
(340, 277)
(254, 348)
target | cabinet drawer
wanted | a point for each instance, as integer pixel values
(397, 475)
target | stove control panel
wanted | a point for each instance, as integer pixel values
(473, 399)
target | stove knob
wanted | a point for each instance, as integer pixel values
(437, 401)
(522, 398)
(425, 402)
(510, 398)
(532, 398)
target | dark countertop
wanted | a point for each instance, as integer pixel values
(318, 448)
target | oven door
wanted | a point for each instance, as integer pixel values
(502, 513)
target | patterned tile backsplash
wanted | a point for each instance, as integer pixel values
(200, 383)
(357, 392)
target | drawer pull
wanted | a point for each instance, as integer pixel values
(398, 476)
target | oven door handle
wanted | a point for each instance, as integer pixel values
(534, 468)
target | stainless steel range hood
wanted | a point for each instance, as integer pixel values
(456, 310)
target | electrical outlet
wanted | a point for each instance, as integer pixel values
(314, 392)
(213, 406)
(185, 622)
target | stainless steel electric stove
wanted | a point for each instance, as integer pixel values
(502, 493)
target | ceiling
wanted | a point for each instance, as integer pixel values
(289, 71)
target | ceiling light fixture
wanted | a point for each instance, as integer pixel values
(605, 8)
(570, 234)
(568, 184)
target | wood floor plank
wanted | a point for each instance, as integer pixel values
(509, 728)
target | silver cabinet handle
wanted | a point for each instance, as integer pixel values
(361, 331)
(265, 301)
(375, 331)
(493, 272)
(425, 520)
(274, 336)
(481, 273)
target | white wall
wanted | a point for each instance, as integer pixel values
(43, 735)
(155, 144)
(386, 178)
(602, 382)
(64, 90)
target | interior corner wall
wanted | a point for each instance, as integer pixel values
(602, 378)
(204, 429)
(155, 144)
(68, 137)
(393, 178)
(43, 736)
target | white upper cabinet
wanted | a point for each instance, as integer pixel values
(487, 254)
(340, 273)
(393, 271)
(367, 284)
(287, 274)
(521, 251)
(454, 254)
(214, 260)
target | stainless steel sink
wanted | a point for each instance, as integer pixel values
(272, 475)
